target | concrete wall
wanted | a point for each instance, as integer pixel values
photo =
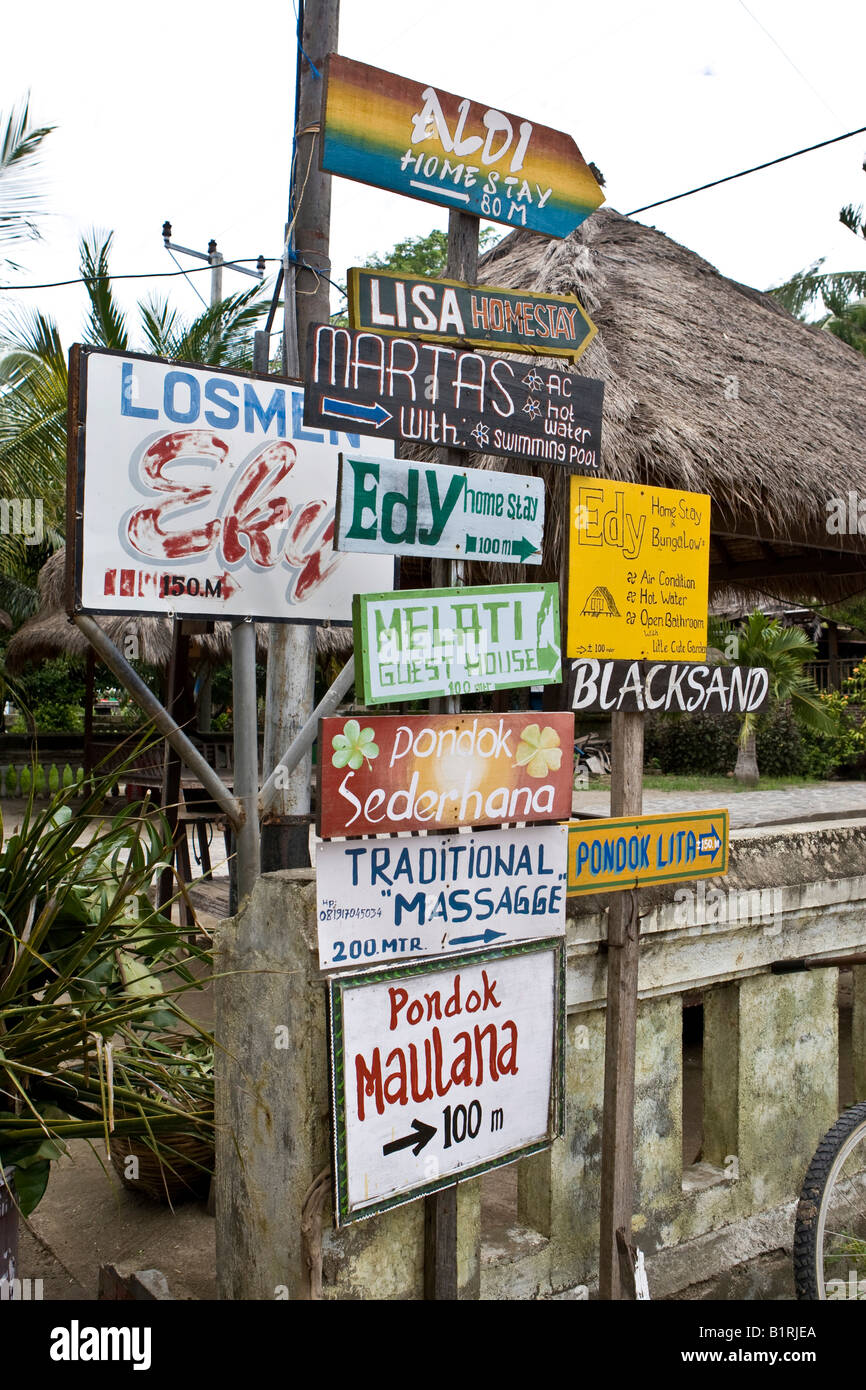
(769, 1089)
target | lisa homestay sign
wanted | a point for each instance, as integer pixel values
(387, 773)
(607, 855)
(427, 393)
(425, 143)
(380, 900)
(419, 643)
(667, 685)
(476, 316)
(398, 507)
(443, 1071)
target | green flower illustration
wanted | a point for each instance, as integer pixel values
(353, 746)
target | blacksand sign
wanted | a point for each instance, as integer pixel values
(421, 643)
(396, 134)
(398, 507)
(443, 1071)
(382, 900)
(389, 773)
(427, 393)
(690, 687)
(476, 316)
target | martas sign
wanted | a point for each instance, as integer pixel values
(433, 772)
(443, 1071)
(197, 493)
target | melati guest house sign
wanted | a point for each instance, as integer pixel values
(401, 135)
(442, 1071)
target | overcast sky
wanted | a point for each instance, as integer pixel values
(183, 111)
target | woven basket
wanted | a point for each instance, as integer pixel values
(182, 1170)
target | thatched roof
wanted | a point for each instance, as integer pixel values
(710, 386)
(51, 633)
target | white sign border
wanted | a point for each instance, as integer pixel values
(344, 1213)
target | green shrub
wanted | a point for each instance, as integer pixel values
(706, 744)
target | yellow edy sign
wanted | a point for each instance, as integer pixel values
(607, 855)
(638, 571)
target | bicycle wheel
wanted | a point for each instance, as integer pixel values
(830, 1229)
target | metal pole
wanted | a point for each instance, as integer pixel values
(246, 753)
(216, 275)
(440, 1215)
(307, 736)
(146, 700)
(306, 291)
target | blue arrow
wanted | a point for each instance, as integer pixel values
(350, 410)
(715, 842)
(486, 936)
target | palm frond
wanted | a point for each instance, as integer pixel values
(106, 324)
(19, 191)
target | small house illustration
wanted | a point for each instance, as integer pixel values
(599, 602)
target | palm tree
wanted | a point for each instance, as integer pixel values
(33, 387)
(19, 193)
(843, 293)
(783, 652)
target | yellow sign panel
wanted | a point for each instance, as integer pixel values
(608, 855)
(638, 571)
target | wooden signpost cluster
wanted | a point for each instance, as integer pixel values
(408, 368)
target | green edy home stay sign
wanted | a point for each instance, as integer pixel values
(419, 643)
(398, 507)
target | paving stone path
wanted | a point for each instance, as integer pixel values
(820, 801)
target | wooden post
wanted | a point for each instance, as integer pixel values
(623, 949)
(306, 291)
(440, 1214)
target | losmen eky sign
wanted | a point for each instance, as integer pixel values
(397, 507)
(388, 131)
(427, 393)
(197, 493)
(442, 1071)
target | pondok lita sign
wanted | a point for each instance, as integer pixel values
(391, 773)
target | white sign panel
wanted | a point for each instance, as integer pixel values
(443, 1073)
(380, 900)
(405, 508)
(201, 494)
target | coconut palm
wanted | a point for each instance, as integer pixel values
(783, 651)
(19, 192)
(33, 387)
(843, 293)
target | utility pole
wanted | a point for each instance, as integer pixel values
(306, 292)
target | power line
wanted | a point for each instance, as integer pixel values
(742, 173)
(789, 61)
(144, 275)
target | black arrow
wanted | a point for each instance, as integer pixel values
(423, 1134)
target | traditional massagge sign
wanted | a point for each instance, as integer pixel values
(444, 1071)
(387, 773)
(381, 900)
(397, 134)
